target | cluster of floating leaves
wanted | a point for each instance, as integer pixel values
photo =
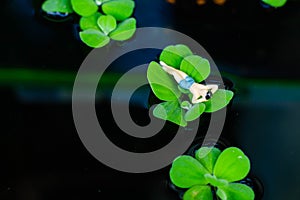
(177, 107)
(212, 172)
(101, 20)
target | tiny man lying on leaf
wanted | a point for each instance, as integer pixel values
(177, 80)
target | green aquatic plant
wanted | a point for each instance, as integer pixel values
(62, 6)
(180, 105)
(275, 3)
(212, 170)
(98, 28)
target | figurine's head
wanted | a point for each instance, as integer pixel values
(208, 95)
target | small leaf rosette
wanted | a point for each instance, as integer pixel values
(98, 28)
(179, 107)
(275, 3)
(212, 170)
(61, 6)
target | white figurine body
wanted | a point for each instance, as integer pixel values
(200, 92)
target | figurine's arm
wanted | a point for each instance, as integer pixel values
(202, 93)
(196, 100)
(212, 88)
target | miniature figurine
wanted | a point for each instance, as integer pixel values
(200, 92)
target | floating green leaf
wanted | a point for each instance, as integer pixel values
(275, 3)
(120, 9)
(186, 105)
(90, 22)
(124, 30)
(173, 55)
(94, 38)
(182, 90)
(208, 156)
(84, 7)
(162, 85)
(107, 23)
(170, 111)
(219, 100)
(235, 191)
(194, 112)
(187, 172)
(232, 165)
(196, 67)
(198, 192)
(62, 6)
(100, 2)
(214, 181)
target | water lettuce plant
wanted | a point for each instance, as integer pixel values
(275, 3)
(98, 28)
(212, 172)
(178, 106)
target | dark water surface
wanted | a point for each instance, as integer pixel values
(41, 153)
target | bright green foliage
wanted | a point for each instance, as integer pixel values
(94, 38)
(200, 174)
(208, 156)
(124, 30)
(219, 100)
(84, 7)
(62, 6)
(162, 84)
(170, 111)
(198, 192)
(114, 24)
(90, 22)
(196, 67)
(186, 172)
(186, 105)
(107, 23)
(173, 55)
(182, 90)
(214, 181)
(232, 165)
(194, 112)
(120, 9)
(166, 88)
(99, 2)
(235, 191)
(275, 3)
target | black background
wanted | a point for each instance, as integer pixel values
(42, 156)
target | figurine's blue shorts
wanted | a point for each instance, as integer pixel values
(186, 83)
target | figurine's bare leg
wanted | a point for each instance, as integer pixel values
(177, 74)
